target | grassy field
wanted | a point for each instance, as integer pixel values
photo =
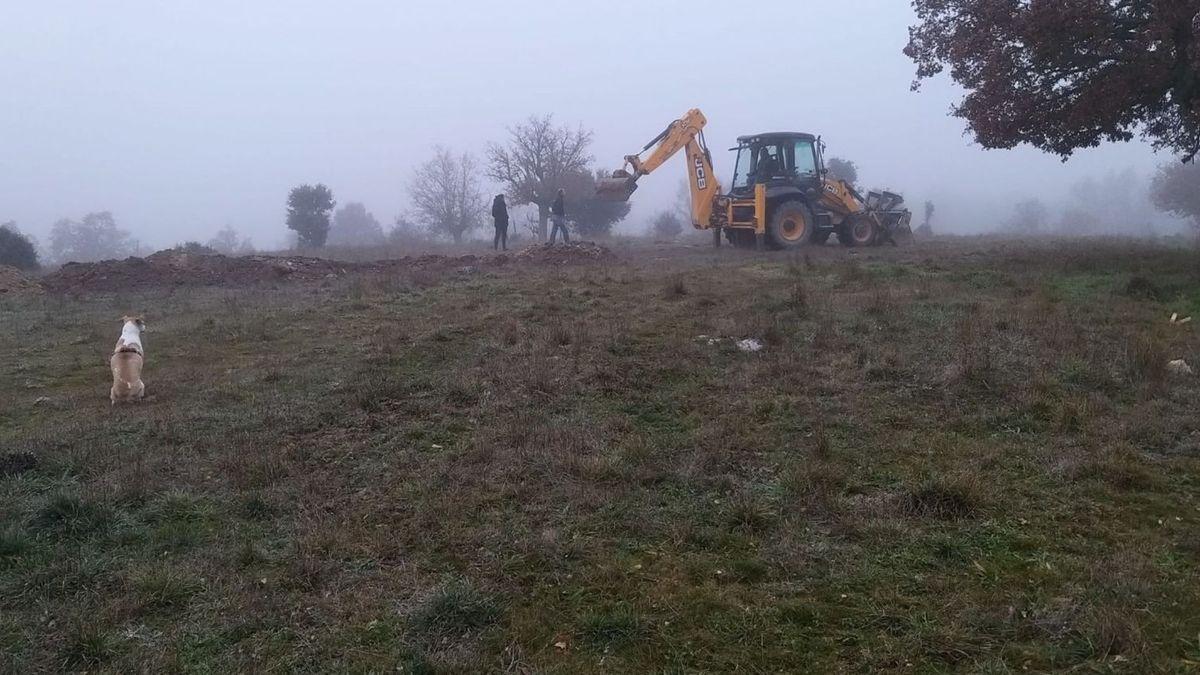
(955, 457)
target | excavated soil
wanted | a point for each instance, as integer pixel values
(565, 254)
(12, 281)
(175, 268)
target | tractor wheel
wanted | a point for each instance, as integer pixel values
(792, 226)
(858, 232)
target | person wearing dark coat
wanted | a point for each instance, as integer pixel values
(558, 215)
(500, 220)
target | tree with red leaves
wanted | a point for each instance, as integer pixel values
(1067, 74)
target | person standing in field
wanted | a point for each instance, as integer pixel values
(558, 215)
(500, 220)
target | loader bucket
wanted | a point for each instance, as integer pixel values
(618, 188)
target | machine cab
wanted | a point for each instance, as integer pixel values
(777, 160)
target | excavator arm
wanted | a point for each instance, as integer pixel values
(687, 134)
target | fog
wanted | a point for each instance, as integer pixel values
(186, 116)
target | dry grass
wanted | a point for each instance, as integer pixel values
(959, 458)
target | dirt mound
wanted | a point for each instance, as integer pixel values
(565, 254)
(167, 268)
(178, 268)
(12, 281)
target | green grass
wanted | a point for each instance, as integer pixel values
(940, 463)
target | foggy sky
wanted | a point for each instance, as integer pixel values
(181, 117)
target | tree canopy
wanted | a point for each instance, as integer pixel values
(1067, 74)
(1176, 189)
(843, 169)
(97, 237)
(593, 217)
(16, 250)
(308, 214)
(354, 225)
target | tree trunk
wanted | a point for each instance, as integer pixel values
(543, 217)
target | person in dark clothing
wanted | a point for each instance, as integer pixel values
(500, 220)
(558, 215)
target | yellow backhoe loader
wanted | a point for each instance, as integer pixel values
(781, 198)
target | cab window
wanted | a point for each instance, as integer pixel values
(744, 167)
(805, 159)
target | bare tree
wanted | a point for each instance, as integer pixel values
(446, 194)
(538, 159)
(228, 241)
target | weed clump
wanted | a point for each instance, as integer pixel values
(71, 515)
(942, 498)
(87, 648)
(165, 588)
(1146, 359)
(1142, 288)
(675, 289)
(454, 610)
(749, 513)
(613, 629)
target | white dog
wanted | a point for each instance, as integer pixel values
(127, 361)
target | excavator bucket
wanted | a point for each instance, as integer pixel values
(617, 188)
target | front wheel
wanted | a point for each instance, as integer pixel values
(792, 226)
(858, 232)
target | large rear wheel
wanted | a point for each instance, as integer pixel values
(791, 226)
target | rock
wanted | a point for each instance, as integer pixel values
(1179, 367)
(750, 345)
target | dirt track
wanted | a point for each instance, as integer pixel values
(174, 268)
